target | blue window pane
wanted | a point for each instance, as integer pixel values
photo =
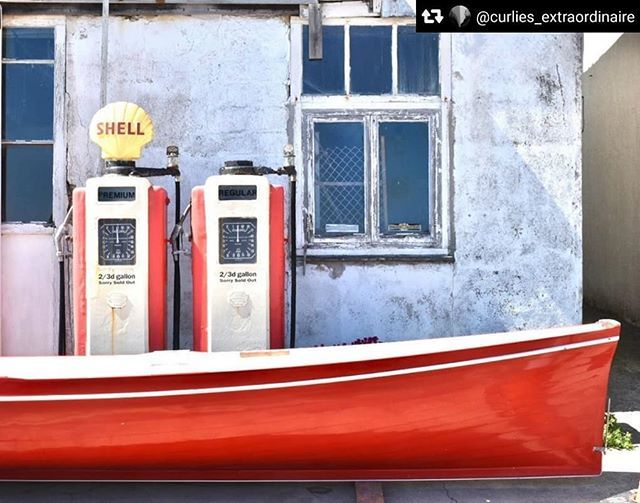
(339, 178)
(27, 188)
(404, 178)
(27, 43)
(417, 62)
(370, 59)
(27, 102)
(326, 75)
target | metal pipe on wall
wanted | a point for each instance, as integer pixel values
(104, 53)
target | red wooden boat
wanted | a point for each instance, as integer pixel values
(520, 404)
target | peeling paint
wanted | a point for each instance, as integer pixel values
(547, 88)
(336, 269)
(215, 85)
(219, 90)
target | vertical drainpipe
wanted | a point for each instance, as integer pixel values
(104, 62)
(104, 56)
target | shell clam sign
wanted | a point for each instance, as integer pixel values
(121, 129)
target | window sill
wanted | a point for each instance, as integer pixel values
(320, 255)
(27, 228)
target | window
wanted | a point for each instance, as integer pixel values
(27, 124)
(371, 133)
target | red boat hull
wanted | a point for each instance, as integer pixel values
(524, 405)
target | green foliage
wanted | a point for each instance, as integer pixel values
(616, 438)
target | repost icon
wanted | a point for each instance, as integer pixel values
(460, 15)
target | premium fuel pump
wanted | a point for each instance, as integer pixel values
(238, 259)
(119, 266)
(120, 242)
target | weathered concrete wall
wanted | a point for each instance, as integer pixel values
(517, 179)
(517, 210)
(611, 151)
(215, 85)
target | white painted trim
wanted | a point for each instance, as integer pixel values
(307, 382)
(355, 13)
(28, 61)
(27, 229)
(371, 239)
(28, 142)
(360, 102)
(347, 60)
(189, 362)
(394, 59)
(295, 76)
(445, 199)
(331, 10)
(354, 107)
(373, 176)
(333, 249)
(59, 147)
(32, 21)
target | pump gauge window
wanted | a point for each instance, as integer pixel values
(117, 241)
(238, 240)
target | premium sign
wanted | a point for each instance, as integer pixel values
(116, 194)
(121, 129)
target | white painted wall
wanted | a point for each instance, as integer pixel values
(216, 85)
(517, 179)
(517, 210)
(29, 293)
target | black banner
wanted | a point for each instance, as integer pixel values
(237, 192)
(116, 194)
(437, 16)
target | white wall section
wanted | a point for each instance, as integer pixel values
(216, 85)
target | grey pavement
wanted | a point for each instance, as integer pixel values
(616, 485)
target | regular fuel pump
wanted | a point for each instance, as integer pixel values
(119, 242)
(238, 259)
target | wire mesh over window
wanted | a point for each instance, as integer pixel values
(339, 178)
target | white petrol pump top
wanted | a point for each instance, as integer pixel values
(117, 254)
(237, 226)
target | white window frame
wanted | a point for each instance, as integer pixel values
(59, 194)
(435, 110)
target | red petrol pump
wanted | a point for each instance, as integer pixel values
(119, 250)
(238, 258)
(119, 242)
(237, 263)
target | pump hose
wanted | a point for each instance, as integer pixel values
(62, 332)
(293, 259)
(176, 274)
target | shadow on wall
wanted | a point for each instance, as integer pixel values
(517, 178)
(611, 182)
(517, 228)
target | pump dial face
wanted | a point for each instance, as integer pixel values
(117, 241)
(238, 240)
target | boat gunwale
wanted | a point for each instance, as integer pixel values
(186, 362)
(307, 382)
